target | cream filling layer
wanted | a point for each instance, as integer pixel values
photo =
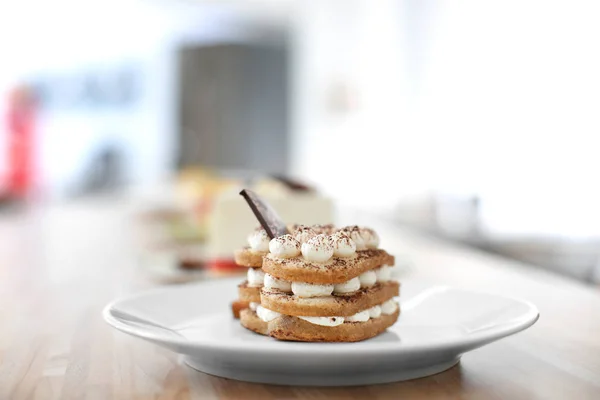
(386, 308)
(303, 289)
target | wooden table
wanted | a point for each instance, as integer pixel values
(60, 265)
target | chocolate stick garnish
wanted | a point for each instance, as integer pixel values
(265, 214)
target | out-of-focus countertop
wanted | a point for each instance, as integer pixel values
(61, 264)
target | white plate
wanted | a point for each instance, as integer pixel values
(437, 325)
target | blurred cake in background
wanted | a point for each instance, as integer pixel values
(203, 220)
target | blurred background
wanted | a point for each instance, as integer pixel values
(475, 121)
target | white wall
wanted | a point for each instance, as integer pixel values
(347, 155)
(518, 82)
(495, 99)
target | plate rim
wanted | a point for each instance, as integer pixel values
(173, 341)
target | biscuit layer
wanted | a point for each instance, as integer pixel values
(248, 293)
(237, 306)
(247, 258)
(250, 320)
(336, 270)
(295, 329)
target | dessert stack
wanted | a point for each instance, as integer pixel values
(320, 284)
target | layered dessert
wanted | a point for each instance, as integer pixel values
(318, 284)
(251, 257)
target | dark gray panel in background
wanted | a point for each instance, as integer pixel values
(234, 107)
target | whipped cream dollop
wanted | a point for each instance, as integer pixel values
(327, 229)
(347, 287)
(389, 307)
(374, 312)
(275, 283)
(343, 246)
(303, 233)
(367, 279)
(324, 321)
(363, 238)
(383, 273)
(355, 234)
(259, 241)
(302, 289)
(317, 249)
(370, 238)
(265, 314)
(256, 277)
(253, 306)
(285, 246)
(362, 316)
